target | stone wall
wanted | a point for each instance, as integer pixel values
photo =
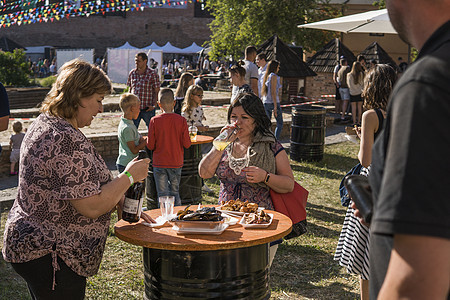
(322, 84)
(139, 28)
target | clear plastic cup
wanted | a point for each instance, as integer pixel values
(166, 204)
(193, 133)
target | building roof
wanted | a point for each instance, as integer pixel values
(291, 65)
(326, 58)
(375, 51)
(9, 45)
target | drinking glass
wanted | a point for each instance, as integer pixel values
(193, 133)
(166, 204)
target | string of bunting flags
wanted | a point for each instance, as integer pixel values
(24, 12)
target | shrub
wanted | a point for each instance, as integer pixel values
(48, 81)
(14, 70)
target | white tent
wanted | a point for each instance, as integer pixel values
(153, 46)
(121, 62)
(169, 48)
(194, 48)
(126, 46)
(65, 55)
(375, 21)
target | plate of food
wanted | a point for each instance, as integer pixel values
(206, 218)
(238, 207)
(193, 230)
(257, 220)
(230, 220)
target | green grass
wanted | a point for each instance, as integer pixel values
(303, 267)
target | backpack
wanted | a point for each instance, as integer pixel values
(343, 193)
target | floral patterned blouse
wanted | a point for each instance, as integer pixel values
(234, 186)
(57, 164)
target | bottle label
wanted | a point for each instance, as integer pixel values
(132, 206)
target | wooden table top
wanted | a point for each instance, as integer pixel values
(166, 238)
(202, 139)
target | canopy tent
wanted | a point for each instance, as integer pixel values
(325, 59)
(291, 65)
(376, 21)
(169, 48)
(153, 46)
(9, 45)
(121, 62)
(126, 46)
(192, 49)
(375, 51)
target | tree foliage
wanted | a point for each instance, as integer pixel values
(14, 69)
(238, 23)
(380, 3)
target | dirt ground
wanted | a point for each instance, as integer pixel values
(107, 122)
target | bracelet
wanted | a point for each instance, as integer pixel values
(267, 177)
(129, 177)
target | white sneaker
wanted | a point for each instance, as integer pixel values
(206, 189)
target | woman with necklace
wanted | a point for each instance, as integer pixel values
(254, 161)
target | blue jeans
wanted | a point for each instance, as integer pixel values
(144, 115)
(279, 118)
(167, 181)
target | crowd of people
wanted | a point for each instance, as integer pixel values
(42, 67)
(56, 231)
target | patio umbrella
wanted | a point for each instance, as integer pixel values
(375, 21)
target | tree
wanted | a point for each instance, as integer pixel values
(14, 70)
(238, 23)
(381, 4)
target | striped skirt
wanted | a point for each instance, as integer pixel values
(352, 251)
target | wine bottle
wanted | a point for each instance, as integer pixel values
(132, 205)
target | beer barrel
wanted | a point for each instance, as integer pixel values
(201, 275)
(308, 133)
(190, 185)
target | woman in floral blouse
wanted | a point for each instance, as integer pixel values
(56, 230)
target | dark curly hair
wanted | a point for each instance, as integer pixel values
(378, 86)
(254, 107)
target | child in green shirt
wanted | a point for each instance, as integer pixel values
(130, 141)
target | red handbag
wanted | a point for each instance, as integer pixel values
(293, 205)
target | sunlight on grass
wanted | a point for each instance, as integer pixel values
(303, 267)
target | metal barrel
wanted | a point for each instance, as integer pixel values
(190, 184)
(308, 133)
(241, 273)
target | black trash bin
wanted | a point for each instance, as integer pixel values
(308, 133)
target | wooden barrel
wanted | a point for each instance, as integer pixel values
(308, 133)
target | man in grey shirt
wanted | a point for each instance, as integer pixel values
(251, 70)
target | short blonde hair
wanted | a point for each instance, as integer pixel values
(166, 96)
(77, 79)
(127, 100)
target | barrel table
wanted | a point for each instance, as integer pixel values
(232, 265)
(191, 183)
